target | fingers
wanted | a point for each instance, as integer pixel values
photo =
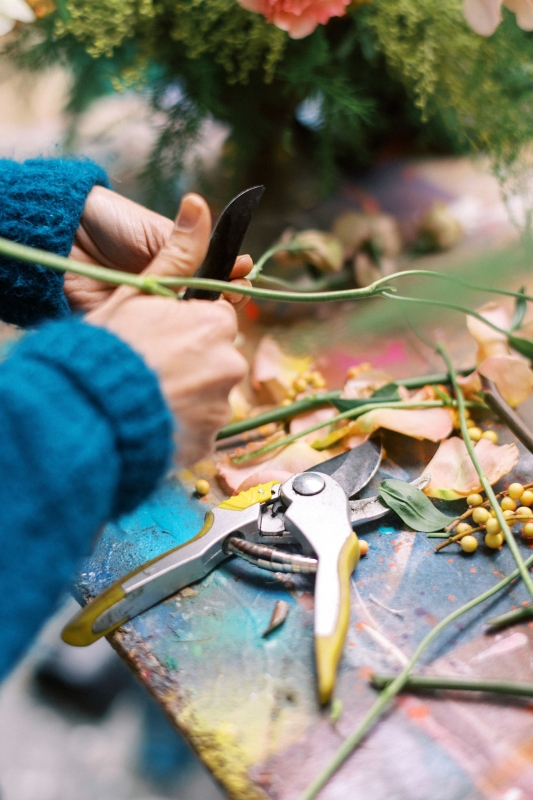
(187, 246)
(242, 267)
(238, 301)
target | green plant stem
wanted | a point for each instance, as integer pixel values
(509, 538)
(267, 255)
(313, 401)
(32, 255)
(423, 683)
(352, 413)
(510, 617)
(395, 687)
(452, 279)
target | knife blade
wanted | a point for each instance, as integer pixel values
(226, 241)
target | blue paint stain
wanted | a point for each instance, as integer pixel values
(387, 530)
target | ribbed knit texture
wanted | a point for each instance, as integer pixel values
(85, 435)
(41, 202)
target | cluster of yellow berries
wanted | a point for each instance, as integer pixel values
(474, 431)
(304, 381)
(515, 507)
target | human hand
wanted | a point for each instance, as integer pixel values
(117, 233)
(189, 344)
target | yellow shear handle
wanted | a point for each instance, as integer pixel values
(79, 631)
(328, 649)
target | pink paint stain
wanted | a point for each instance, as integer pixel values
(335, 364)
(507, 645)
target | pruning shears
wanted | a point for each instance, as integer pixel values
(311, 510)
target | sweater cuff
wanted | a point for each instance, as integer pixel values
(42, 203)
(118, 383)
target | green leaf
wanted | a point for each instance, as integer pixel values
(522, 346)
(412, 506)
(520, 308)
(388, 393)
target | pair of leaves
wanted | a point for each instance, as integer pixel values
(412, 506)
(386, 394)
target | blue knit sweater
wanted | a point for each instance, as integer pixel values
(84, 431)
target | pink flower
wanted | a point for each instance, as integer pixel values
(298, 17)
(484, 16)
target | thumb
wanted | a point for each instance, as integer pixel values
(187, 246)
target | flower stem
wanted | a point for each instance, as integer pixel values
(352, 413)
(509, 538)
(395, 687)
(423, 683)
(313, 401)
(452, 279)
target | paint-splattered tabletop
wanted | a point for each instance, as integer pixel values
(248, 704)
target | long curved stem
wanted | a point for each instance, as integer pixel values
(451, 279)
(395, 687)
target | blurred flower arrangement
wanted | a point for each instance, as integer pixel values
(330, 81)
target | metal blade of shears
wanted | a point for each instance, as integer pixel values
(226, 241)
(355, 469)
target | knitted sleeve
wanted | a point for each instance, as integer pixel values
(84, 435)
(41, 203)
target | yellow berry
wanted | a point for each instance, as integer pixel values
(527, 530)
(470, 423)
(508, 513)
(494, 540)
(291, 394)
(492, 512)
(524, 511)
(474, 499)
(317, 380)
(527, 498)
(475, 434)
(363, 547)
(493, 527)
(467, 413)
(286, 402)
(468, 544)
(202, 487)
(300, 385)
(480, 515)
(516, 490)
(463, 527)
(492, 436)
(508, 504)
(306, 376)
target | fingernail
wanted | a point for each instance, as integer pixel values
(189, 215)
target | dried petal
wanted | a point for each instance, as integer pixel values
(453, 475)
(294, 458)
(512, 376)
(274, 371)
(310, 418)
(420, 423)
(363, 385)
(323, 250)
(483, 16)
(489, 341)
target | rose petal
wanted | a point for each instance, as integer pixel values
(274, 371)
(470, 384)
(294, 458)
(310, 418)
(512, 376)
(365, 384)
(263, 476)
(420, 423)
(489, 341)
(483, 16)
(453, 474)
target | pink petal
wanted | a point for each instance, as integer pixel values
(274, 371)
(489, 341)
(470, 384)
(420, 423)
(483, 16)
(297, 457)
(512, 376)
(263, 476)
(524, 12)
(307, 420)
(453, 474)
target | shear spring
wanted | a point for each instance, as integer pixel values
(270, 558)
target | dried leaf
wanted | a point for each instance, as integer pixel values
(453, 475)
(412, 506)
(279, 615)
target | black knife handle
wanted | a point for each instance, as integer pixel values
(226, 241)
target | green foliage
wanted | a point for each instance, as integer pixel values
(412, 506)
(401, 72)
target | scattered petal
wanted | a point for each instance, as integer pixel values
(274, 371)
(296, 457)
(483, 16)
(453, 475)
(420, 423)
(310, 418)
(524, 12)
(512, 376)
(363, 385)
(321, 249)
(489, 341)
